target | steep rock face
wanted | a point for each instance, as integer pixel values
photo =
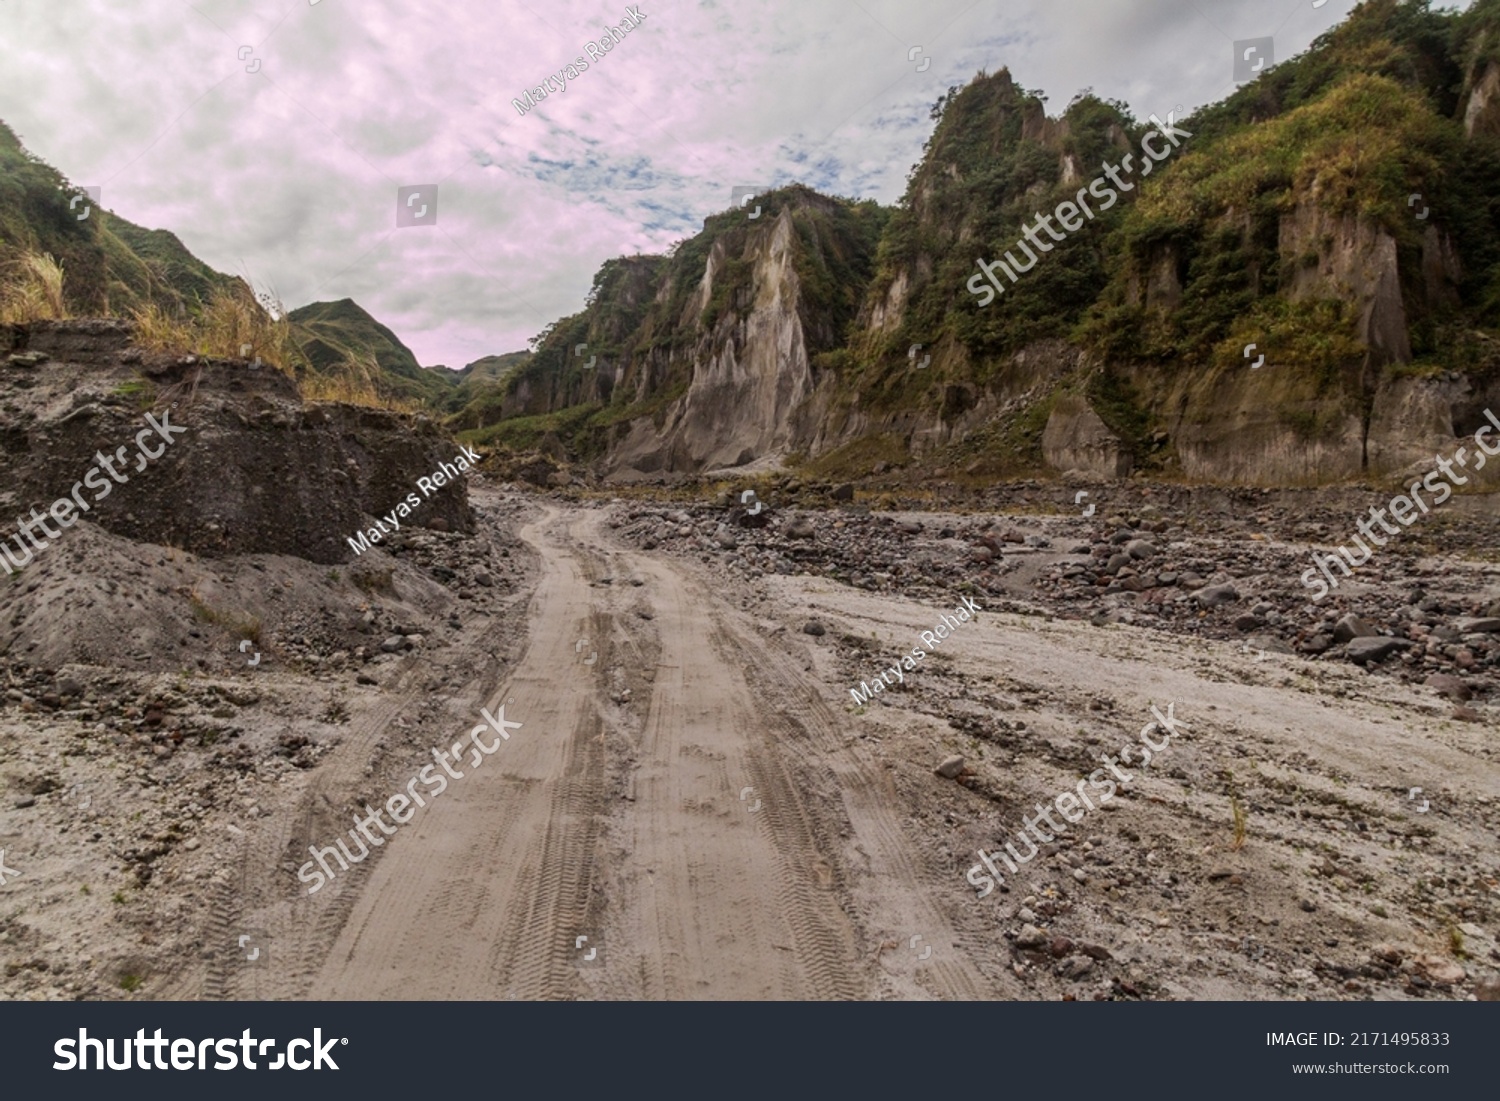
(951, 408)
(256, 472)
(1414, 420)
(744, 391)
(1293, 216)
(1077, 440)
(1250, 442)
(1159, 287)
(1355, 261)
(1482, 111)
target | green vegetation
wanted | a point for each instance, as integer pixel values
(340, 341)
(113, 266)
(1288, 193)
(34, 292)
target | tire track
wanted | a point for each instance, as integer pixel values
(474, 898)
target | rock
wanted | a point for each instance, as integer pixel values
(437, 523)
(1077, 968)
(393, 644)
(1487, 991)
(1486, 625)
(800, 528)
(1442, 972)
(1361, 651)
(1096, 951)
(1352, 627)
(68, 687)
(1317, 644)
(1060, 947)
(909, 527)
(725, 538)
(1246, 622)
(558, 478)
(28, 359)
(814, 628)
(1030, 937)
(1448, 685)
(1025, 915)
(744, 518)
(24, 802)
(950, 767)
(1214, 595)
(1140, 548)
(844, 492)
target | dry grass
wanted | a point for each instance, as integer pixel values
(232, 326)
(1240, 820)
(354, 382)
(246, 626)
(33, 291)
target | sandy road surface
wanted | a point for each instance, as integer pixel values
(694, 792)
(626, 824)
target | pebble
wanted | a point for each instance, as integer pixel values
(1030, 937)
(950, 767)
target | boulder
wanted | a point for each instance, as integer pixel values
(1362, 651)
(1352, 627)
(1211, 596)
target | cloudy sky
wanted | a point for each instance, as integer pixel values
(272, 135)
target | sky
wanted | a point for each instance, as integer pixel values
(273, 136)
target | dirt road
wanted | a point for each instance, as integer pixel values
(705, 836)
(693, 792)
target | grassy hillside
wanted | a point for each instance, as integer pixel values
(111, 266)
(479, 393)
(335, 336)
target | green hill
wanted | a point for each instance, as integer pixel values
(111, 266)
(333, 334)
(479, 395)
